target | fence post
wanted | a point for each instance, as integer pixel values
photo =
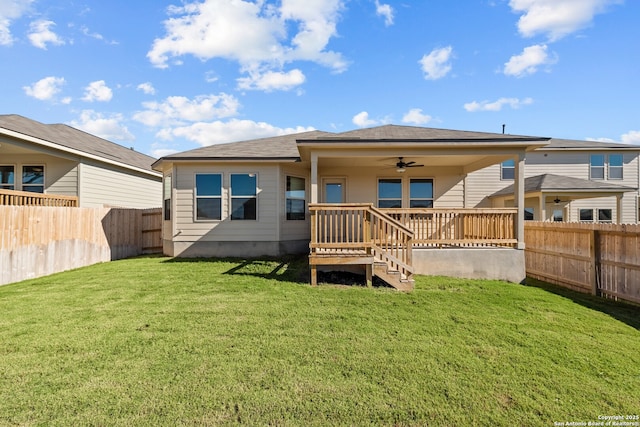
(594, 246)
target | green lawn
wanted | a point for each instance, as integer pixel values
(152, 341)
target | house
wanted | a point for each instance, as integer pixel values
(66, 166)
(567, 180)
(391, 200)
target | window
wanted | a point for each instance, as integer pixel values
(243, 197)
(586, 215)
(7, 179)
(508, 170)
(528, 214)
(615, 166)
(167, 198)
(605, 215)
(33, 179)
(390, 193)
(208, 197)
(596, 166)
(421, 193)
(558, 215)
(295, 198)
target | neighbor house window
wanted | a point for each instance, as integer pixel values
(33, 179)
(596, 166)
(208, 196)
(421, 193)
(166, 197)
(615, 166)
(295, 196)
(7, 178)
(605, 215)
(244, 196)
(558, 215)
(528, 214)
(508, 170)
(586, 215)
(390, 193)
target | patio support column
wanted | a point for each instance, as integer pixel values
(618, 208)
(519, 199)
(542, 207)
(314, 178)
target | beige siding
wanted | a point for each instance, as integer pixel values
(482, 183)
(103, 185)
(293, 230)
(265, 228)
(60, 175)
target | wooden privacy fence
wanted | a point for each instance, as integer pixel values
(36, 241)
(603, 259)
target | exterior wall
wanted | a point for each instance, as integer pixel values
(362, 184)
(60, 175)
(485, 182)
(104, 185)
(187, 231)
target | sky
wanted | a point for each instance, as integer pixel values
(164, 76)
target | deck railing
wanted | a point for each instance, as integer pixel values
(459, 227)
(26, 198)
(357, 229)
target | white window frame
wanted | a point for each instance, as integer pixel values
(167, 189)
(616, 168)
(432, 198)
(378, 198)
(7, 185)
(44, 178)
(287, 198)
(508, 165)
(233, 197)
(601, 168)
(196, 197)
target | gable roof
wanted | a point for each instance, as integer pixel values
(558, 183)
(69, 139)
(571, 144)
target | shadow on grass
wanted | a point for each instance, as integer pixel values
(285, 269)
(622, 311)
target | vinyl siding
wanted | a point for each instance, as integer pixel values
(102, 185)
(60, 175)
(265, 228)
(482, 183)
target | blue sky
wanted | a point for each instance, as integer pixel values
(166, 76)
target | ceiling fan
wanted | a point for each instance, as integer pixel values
(402, 166)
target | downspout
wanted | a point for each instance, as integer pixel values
(519, 198)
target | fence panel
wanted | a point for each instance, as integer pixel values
(603, 259)
(36, 240)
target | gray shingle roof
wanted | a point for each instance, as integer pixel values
(277, 147)
(570, 144)
(550, 182)
(69, 137)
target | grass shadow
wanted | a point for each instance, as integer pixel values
(290, 268)
(628, 313)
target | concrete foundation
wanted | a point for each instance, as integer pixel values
(471, 263)
(207, 249)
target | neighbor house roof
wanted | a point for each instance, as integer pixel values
(69, 139)
(570, 144)
(563, 184)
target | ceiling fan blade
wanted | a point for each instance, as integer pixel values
(409, 163)
(414, 166)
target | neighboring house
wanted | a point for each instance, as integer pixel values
(365, 198)
(567, 180)
(60, 160)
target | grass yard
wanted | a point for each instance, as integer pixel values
(151, 341)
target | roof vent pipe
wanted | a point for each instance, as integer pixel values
(503, 126)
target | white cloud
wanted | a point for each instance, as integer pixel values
(97, 91)
(272, 80)
(45, 89)
(362, 120)
(147, 88)
(514, 103)
(528, 61)
(254, 34)
(436, 65)
(179, 109)
(386, 11)
(160, 151)
(415, 116)
(556, 18)
(110, 128)
(40, 34)
(631, 137)
(10, 10)
(217, 132)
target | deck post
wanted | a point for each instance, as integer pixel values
(519, 199)
(369, 273)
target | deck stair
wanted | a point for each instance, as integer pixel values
(360, 234)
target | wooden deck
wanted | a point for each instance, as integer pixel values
(382, 240)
